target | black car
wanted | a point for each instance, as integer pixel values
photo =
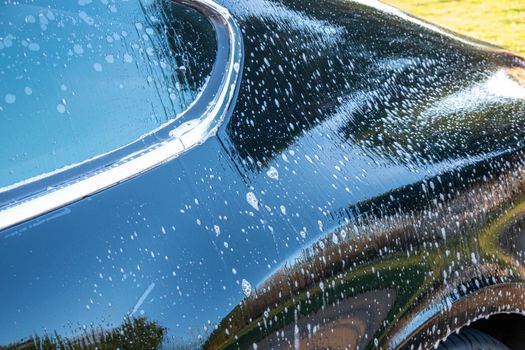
(259, 174)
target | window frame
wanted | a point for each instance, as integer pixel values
(44, 193)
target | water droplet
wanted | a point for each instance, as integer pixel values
(128, 58)
(10, 98)
(252, 200)
(273, 173)
(246, 288)
(78, 49)
(33, 47)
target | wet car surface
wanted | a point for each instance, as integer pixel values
(365, 190)
(56, 53)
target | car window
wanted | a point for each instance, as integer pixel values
(81, 78)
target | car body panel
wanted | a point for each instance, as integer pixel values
(367, 184)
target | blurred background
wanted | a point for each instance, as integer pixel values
(501, 22)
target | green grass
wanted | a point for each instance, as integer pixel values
(501, 22)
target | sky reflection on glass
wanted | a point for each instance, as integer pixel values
(79, 79)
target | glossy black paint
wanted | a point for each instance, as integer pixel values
(366, 191)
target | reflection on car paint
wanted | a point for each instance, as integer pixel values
(365, 192)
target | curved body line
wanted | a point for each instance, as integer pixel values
(42, 194)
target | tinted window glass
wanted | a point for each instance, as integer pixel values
(81, 78)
